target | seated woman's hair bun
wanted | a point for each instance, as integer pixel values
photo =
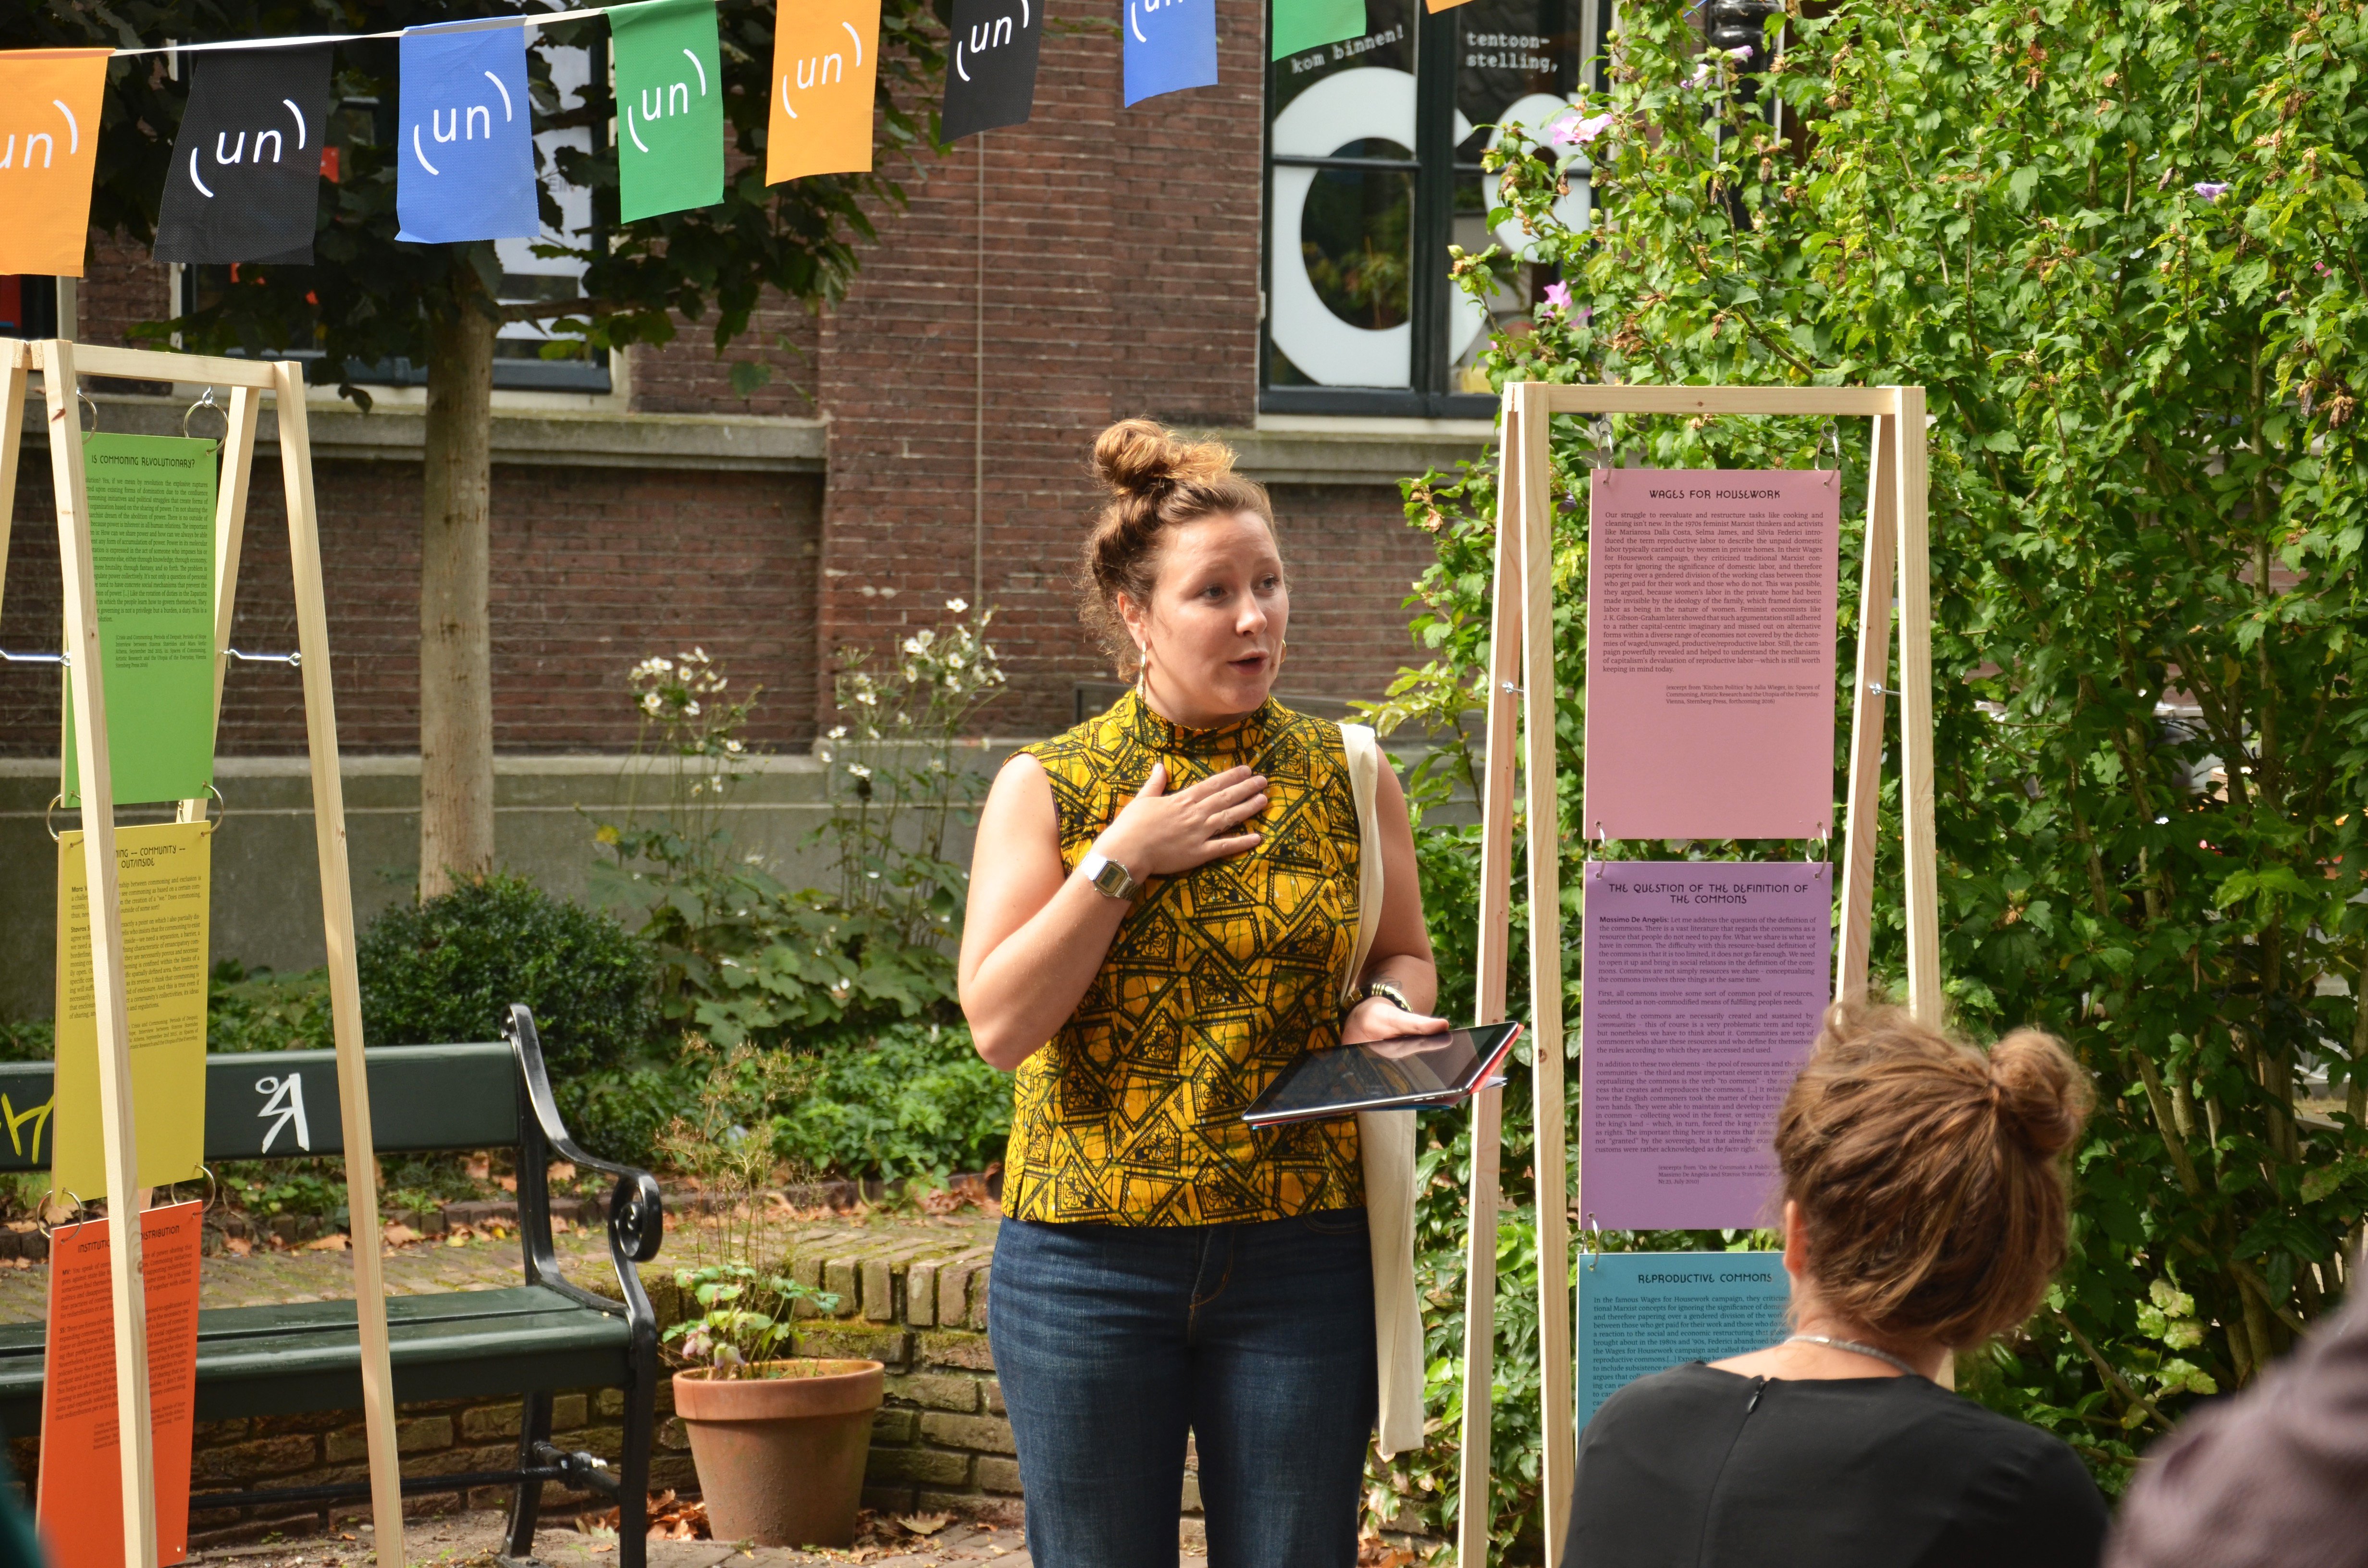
(1156, 481)
(2042, 1097)
(1928, 1174)
(1139, 457)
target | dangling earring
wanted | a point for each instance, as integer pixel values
(1143, 670)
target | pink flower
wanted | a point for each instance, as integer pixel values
(1557, 297)
(2210, 189)
(1579, 133)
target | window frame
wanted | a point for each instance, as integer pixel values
(1436, 173)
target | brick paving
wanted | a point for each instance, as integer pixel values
(474, 1540)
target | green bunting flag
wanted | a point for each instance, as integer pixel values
(669, 107)
(1310, 23)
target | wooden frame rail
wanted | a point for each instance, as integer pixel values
(61, 364)
(1522, 695)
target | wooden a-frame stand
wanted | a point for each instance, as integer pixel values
(1521, 736)
(59, 361)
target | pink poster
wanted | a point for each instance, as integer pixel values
(1710, 600)
(1704, 985)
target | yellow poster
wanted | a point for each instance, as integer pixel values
(163, 875)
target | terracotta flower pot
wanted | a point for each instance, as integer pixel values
(780, 1456)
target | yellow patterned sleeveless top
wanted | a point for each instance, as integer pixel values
(1217, 979)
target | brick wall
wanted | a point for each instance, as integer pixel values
(1120, 277)
(593, 568)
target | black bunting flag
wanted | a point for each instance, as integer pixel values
(246, 184)
(991, 68)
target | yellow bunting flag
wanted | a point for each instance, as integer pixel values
(49, 152)
(163, 874)
(826, 58)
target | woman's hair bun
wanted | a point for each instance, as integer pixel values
(2042, 1097)
(1139, 457)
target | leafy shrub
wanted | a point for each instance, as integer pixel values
(915, 1098)
(30, 1040)
(2108, 249)
(619, 1113)
(449, 969)
(742, 957)
(258, 1010)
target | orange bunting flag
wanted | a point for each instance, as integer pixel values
(49, 152)
(826, 58)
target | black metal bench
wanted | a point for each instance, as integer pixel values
(533, 1340)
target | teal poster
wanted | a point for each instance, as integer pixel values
(1641, 1313)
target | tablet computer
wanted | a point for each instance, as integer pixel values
(1405, 1073)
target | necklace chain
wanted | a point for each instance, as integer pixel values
(1854, 1348)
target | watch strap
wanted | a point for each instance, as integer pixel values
(1107, 877)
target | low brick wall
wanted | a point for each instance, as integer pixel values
(914, 1302)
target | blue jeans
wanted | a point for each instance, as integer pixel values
(1113, 1341)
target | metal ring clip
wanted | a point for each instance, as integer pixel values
(49, 810)
(207, 400)
(84, 399)
(41, 1213)
(293, 661)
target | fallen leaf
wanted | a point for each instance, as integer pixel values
(561, 1170)
(925, 1524)
(508, 1184)
(560, 1225)
(237, 1246)
(399, 1234)
(480, 1167)
(333, 1242)
(459, 1238)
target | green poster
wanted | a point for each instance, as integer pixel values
(152, 551)
(1311, 24)
(669, 107)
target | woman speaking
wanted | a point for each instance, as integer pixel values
(1163, 908)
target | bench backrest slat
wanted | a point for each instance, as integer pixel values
(284, 1104)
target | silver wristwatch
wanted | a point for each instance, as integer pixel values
(1109, 878)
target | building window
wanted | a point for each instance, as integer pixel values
(519, 361)
(1374, 149)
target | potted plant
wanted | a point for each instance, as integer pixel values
(779, 1441)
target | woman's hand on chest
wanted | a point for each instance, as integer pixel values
(1158, 834)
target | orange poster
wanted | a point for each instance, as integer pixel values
(81, 1502)
(49, 152)
(826, 58)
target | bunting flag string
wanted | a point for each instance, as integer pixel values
(246, 161)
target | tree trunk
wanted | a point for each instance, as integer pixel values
(456, 697)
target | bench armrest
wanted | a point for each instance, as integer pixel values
(636, 1208)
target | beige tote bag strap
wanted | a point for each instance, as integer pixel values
(1386, 1138)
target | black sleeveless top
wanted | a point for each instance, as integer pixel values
(1695, 1468)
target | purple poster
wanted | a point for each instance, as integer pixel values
(1705, 982)
(1710, 652)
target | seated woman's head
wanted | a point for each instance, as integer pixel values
(1923, 1183)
